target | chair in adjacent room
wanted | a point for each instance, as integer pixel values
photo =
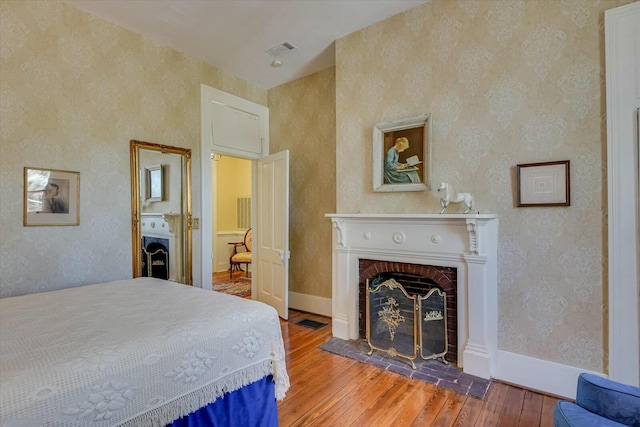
(600, 402)
(238, 257)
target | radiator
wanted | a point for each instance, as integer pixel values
(244, 212)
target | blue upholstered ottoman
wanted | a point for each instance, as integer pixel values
(600, 402)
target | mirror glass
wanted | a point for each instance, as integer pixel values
(161, 211)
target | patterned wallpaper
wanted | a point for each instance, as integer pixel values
(74, 89)
(303, 121)
(507, 82)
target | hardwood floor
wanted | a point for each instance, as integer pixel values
(224, 275)
(331, 390)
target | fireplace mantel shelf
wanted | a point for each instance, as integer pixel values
(172, 219)
(404, 229)
(467, 242)
(433, 216)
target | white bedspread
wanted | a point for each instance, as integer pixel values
(133, 352)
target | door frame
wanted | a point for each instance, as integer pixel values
(623, 192)
(208, 93)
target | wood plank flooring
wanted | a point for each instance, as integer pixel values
(224, 275)
(331, 390)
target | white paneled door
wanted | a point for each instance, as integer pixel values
(271, 246)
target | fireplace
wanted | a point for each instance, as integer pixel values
(164, 233)
(155, 257)
(403, 325)
(417, 280)
(456, 251)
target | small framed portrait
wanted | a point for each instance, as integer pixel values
(51, 197)
(402, 155)
(155, 186)
(543, 184)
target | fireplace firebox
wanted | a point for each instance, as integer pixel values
(155, 258)
(404, 325)
(417, 280)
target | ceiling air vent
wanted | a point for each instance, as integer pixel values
(280, 49)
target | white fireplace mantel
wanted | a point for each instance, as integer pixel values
(467, 242)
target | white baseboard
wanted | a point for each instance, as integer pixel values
(310, 304)
(537, 374)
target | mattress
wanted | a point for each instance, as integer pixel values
(134, 352)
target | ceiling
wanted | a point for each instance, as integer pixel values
(233, 35)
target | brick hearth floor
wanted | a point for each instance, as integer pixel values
(431, 371)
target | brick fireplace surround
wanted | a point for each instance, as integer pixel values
(466, 243)
(416, 279)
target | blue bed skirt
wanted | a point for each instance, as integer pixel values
(252, 405)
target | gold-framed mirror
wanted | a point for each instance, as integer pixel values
(161, 222)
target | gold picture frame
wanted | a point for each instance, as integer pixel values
(543, 184)
(51, 197)
(407, 168)
(155, 181)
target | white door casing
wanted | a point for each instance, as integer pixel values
(221, 111)
(237, 127)
(622, 49)
(271, 236)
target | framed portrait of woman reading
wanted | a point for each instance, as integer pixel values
(402, 155)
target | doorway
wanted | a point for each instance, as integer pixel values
(236, 127)
(231, 207)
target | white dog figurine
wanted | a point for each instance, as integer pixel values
(449, 196)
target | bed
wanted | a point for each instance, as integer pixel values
(140, 352)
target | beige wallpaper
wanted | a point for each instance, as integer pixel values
(507, 82)
(302, 120)
(74, 90)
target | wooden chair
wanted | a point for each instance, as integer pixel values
(238, 258)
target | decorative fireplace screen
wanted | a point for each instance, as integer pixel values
(404, 325)
(155, 258)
